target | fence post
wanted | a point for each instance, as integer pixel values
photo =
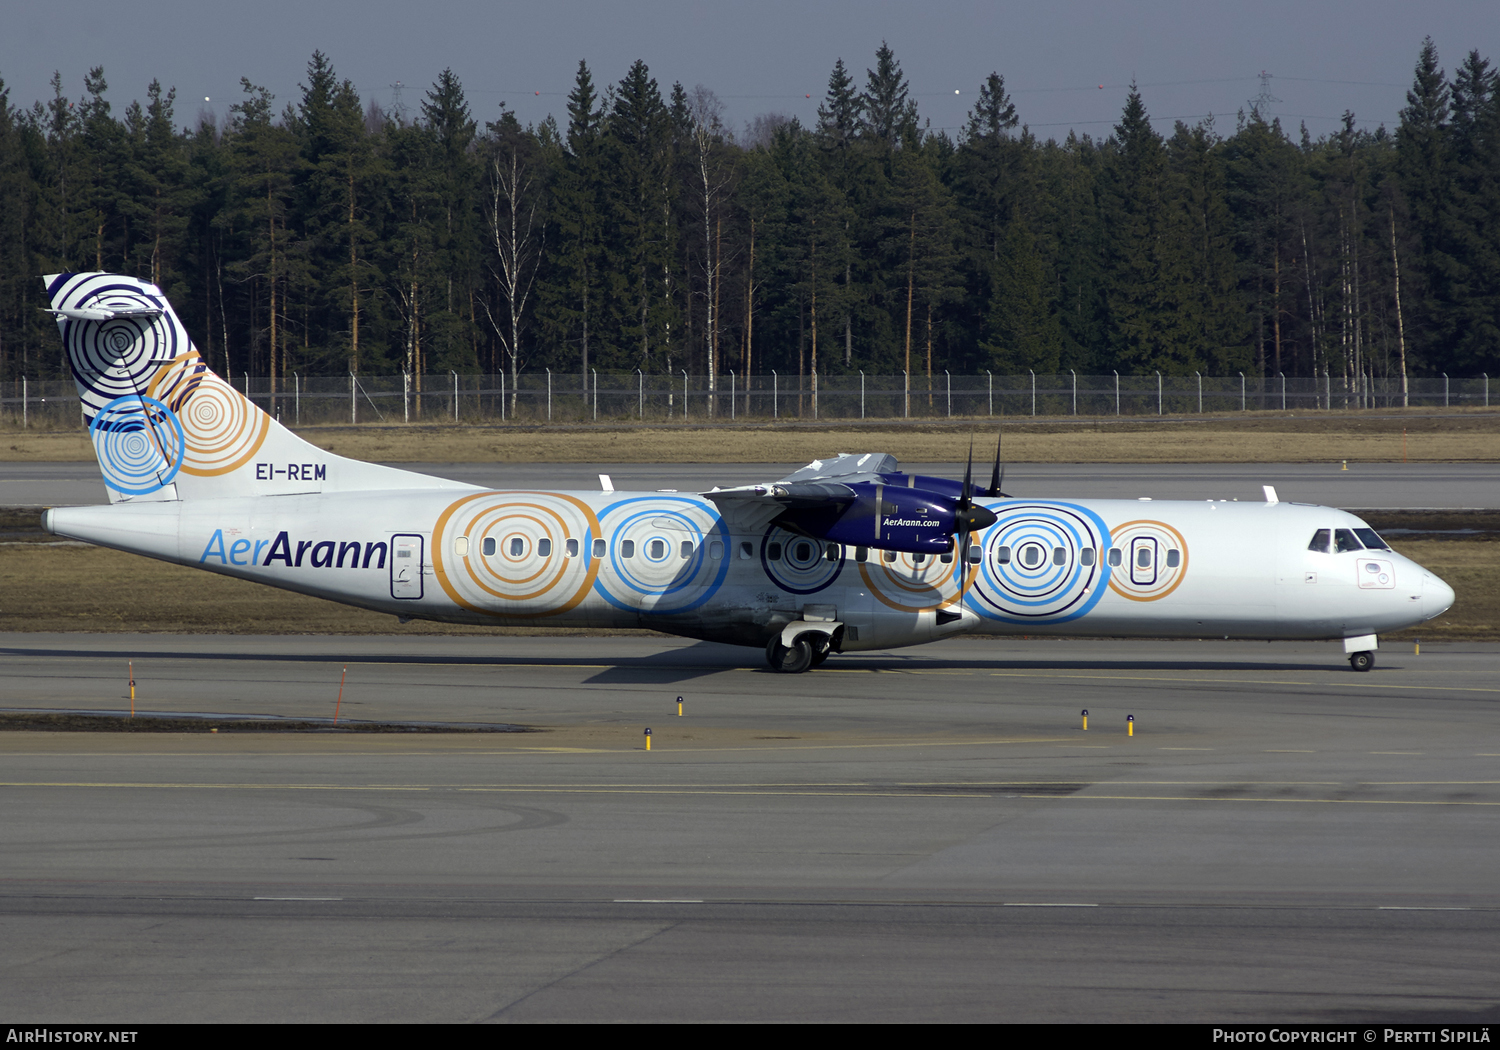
(1445, 389)
(549, 395)
(1117, 392)
(906, 394)
(455, 395)
(1242, 391)
(1158, 393)
(732, 395)
(684, 393)
(25, 405)
(1327, 388)
(502, 395)
(1033, 390)
(775, 395)
(991, 381)
(861, 393)
(406, 397)
(1200, 390)
(1486, 390)
(1283, 390)
(596, 393)
(815, 393)
(640, 393)
(1075, 390)
(297, 397)
(353, 399)
(949, 379)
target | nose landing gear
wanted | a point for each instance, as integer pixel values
(1361, 661)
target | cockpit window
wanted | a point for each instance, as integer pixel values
(1372, 539)
(1321, 541)
(1344, 541)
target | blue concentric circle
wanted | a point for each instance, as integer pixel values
(659, 574)
(140, 444)
(1045, 578)
(803, 567)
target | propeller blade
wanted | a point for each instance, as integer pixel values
(966, 499)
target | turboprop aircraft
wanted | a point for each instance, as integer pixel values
(848, 553)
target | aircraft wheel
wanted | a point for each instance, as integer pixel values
(820, 654)
(1362, 661)
(792, 659)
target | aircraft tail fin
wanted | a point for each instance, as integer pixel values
(163, 425)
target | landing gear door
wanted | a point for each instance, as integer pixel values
(407, 550)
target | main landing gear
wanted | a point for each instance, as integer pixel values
(1362, 661)
(808, 651)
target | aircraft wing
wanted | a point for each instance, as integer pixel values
(821, 485)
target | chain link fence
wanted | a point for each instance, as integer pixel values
(655, 398)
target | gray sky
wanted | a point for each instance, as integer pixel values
(1067, 63)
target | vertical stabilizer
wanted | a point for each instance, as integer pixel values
(164, 426)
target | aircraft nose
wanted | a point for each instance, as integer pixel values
(1437, 596)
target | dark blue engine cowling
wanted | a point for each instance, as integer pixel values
(885, 517)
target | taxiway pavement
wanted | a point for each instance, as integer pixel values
(925, 834)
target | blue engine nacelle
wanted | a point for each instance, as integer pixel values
(887, 517)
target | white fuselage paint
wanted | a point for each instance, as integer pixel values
(672, 562)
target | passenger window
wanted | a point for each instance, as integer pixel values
(627, 549)
(861, 554)
(918, 559)
(976, 554)
(687, 548)
(1086, 556)
(1002, 555)
(489, 546)
(658, 550)
(517, 546)
(747, 550)
(598, 548)
(773, 551)
(1116, 557)
(832, 553)
(1143, 558)
(1059, 556)
(1344, 541)
(716, 550)
(1174, 558)
(571, 549)
(802, 551)
(544, 548)
(889, 556)
(946, 559)
(1321, 541)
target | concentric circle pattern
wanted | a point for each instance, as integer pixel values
(224, 431)
(139, 443)
(1154, 560)
(1033, 569)
(911, 582)
(112, 359)
(660, 554)
(802, 566)
(515, 561)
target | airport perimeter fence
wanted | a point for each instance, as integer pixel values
(657, 398)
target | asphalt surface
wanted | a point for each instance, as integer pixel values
(1383, 486)
(922, 835)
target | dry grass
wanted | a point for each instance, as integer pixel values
(50, 587)
(1391, 436)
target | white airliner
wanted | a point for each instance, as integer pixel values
(846, 554)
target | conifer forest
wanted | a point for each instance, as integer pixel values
(321, 235)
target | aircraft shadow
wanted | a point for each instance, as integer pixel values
(700, 659)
